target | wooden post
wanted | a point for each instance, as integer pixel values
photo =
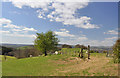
(82, 52)
(19, 53)
(88, 51)
(79, 54)
(5, 56)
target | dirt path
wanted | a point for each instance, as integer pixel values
(96, 66)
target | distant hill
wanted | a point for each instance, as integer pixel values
(14, 45)
(101, 47)
(59, 45)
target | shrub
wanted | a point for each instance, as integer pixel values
(116, 51)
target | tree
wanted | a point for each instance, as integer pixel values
(6, 50)
(46, 42)
(80, 46)
(77, 46)
(116, 51)
(66, 46)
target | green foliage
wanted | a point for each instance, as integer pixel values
(116, 51)
(24, 47)
(6, 50)
(46, 41)
(80, 46)
(71, 50)
(66, 46)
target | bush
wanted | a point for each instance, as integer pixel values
(6, 50)
(116, 51)
(92, 51)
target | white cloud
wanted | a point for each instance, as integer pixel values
(29, 29)
(114, 32)
(32, 3)
(14, 34)
(64, 33)
(111, 38)
(64, 12)
(2, 31)
(82, 39)
(4, 21)
(68, 38)
(21, 35)
(59, 11)
(17, 30)
(14, 31)
(11, 26)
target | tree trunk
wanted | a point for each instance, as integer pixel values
(45, 53)
(88, 51)
(81, 52)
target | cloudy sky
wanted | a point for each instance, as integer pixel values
(93, 23)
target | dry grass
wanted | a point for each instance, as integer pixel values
(96, 66)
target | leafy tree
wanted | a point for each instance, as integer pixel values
(6, 50)
(80, 46)
(77, 46)
(116, 51)
(66, 46)
(46, 42)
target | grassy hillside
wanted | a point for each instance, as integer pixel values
(60, 65)
(14, 45)
(24, 47)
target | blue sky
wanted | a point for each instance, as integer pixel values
(93, 23)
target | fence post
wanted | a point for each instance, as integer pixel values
(19, 53)
(88, 51)
(79, 54)
(5, 56)
(82, 52)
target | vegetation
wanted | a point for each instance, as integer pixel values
(116, 51)
(6, 50)
(25, 47)
(60, 65)
(46, 42)
(66, 46)
(80, 46)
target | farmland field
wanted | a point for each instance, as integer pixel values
(60, 65)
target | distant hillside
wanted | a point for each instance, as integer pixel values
(101, 47)
(14, 45)
(25, 47)
(59, 45)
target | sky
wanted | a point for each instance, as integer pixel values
(86, 23)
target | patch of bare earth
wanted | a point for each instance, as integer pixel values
(93, 67)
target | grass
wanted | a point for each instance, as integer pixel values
(24, 47)
(71, 51)
(59, 65)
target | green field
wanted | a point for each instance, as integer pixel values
(60, 65)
